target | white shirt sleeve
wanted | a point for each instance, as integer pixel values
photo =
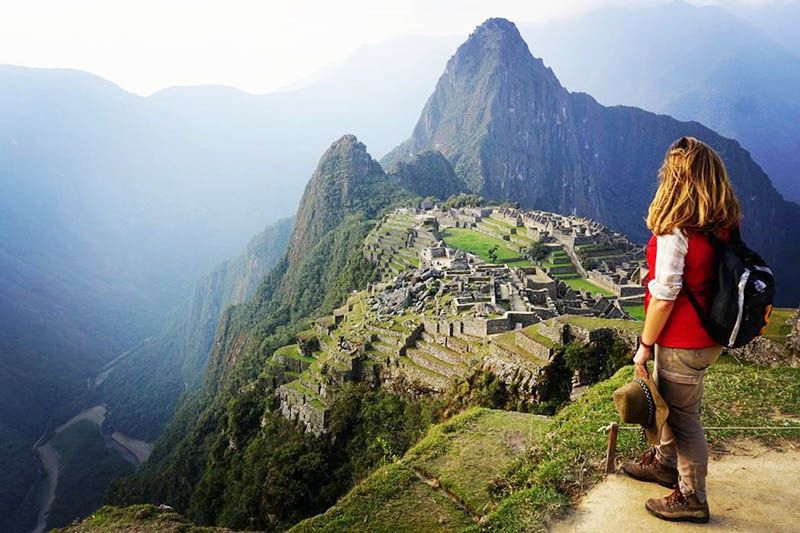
(667, 279)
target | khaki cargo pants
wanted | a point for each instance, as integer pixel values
(679, 374)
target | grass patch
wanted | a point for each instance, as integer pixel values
(779, 327)
(533, 333)
(499, 222)
(479, 244)
(392, 499)
(636, 311)
(293, 351)
(584, 284)
(136, 518)
(467, 452)
(590, 322)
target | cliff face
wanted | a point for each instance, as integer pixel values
(514, 133)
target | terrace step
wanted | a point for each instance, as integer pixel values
(429, 377)
(441, 352)
(506, 347)
(384, 347)
(431, 362)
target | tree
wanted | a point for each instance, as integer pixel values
(537, 251)
(493, 253)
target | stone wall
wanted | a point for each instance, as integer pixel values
(602, 280)
(296, 406)
(536, 348)
(554, 330)
(586, 336)
(627, 291)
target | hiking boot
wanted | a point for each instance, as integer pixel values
(679, 508)
(649, 468)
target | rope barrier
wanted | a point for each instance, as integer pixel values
(721, 427)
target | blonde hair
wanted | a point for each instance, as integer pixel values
(694, 192)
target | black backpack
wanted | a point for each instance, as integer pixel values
(741, 298)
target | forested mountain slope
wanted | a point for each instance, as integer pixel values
(143, 387)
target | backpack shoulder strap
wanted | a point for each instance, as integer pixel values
(695, 304)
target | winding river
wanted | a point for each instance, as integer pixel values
(133, 450)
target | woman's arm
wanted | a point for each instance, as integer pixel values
(657, 314)
(671, 250)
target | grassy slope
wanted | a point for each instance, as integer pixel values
(464, 455)
(136, 518)
(514, 470)
(478, 243)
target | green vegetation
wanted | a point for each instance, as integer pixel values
(19, 470)
(477, 444)
(586, 285)
(636, 311)
(392, 499)
(590, 322)
(428, 174)
(214, 458)
(144, 387)
(537, 251)
(464, 200)
(599, 359)
(263, 472)
(135, 518)
(492, 253)
(293, 351)
(458, 462)
(479, 244)
(779, 324)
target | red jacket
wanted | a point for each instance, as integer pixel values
(684, 328)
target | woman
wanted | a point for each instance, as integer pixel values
(694, 198)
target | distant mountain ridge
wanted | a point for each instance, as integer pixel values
(692, 62)
(512, 132)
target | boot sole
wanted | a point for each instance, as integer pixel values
(695, 520)
(667, 484)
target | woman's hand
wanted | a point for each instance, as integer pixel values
(640, 360)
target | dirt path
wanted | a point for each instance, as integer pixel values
(752, 489)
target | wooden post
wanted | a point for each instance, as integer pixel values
(611, 452)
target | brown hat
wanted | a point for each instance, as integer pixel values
(639, 402)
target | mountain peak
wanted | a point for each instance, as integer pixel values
(497, 26)
(346, 180)
(348, 140)
(492, 83)
(496, 38)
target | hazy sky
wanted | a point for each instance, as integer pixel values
(147, 45)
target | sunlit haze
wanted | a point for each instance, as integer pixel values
(147, 45)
